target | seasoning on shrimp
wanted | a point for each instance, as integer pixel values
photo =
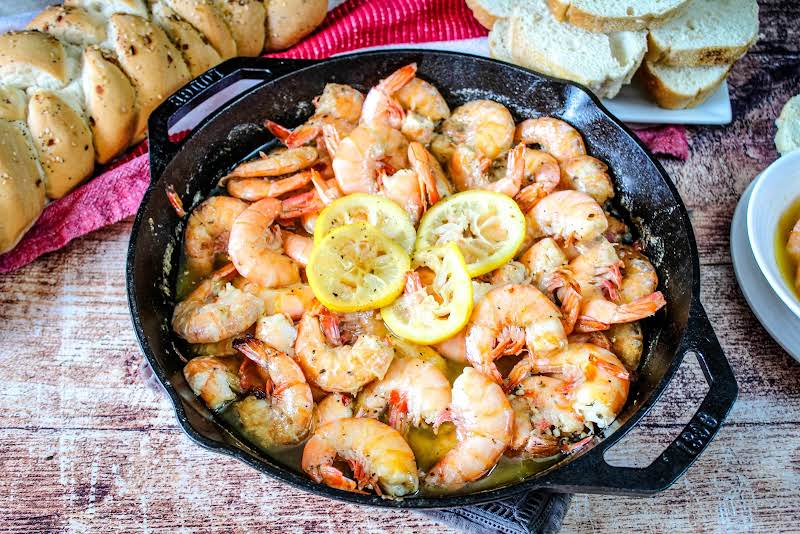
(528, 258)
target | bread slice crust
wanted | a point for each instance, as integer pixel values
(669, 96)
(595, 21)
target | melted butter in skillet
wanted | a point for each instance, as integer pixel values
(428, 449)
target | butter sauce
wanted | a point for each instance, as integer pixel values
(786, 264)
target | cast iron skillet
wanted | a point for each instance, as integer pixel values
(644, 193)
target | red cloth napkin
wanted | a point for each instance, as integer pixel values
(116, 192)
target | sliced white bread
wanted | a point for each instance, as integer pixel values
(601, 62)
(499, 40)
(681, 87)
(616, 15)
(488, 11)
(788, 137)
(710, 32)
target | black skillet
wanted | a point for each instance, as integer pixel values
(286, 87)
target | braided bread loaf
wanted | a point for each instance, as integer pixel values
(78, 85)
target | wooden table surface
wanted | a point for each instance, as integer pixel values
(85, 445)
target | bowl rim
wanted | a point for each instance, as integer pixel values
(764, 253)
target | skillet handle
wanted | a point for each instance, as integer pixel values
(591, 474)
(212, 82)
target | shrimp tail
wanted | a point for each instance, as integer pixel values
(623, 313)
(331, 138)
(614, 370)
(300, 204)
(334, 478)
(398, 411)
(225, 273)
(398, 79)
(445, 416)
(329, 322)
(176, 202)
(363, 478)
(277, 130)
(519, 373)
(515, 168)
(598, 339)
(569, 294)
(420, 160)
(569, 448)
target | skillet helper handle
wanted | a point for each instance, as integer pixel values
(598, 476)
(213, 81)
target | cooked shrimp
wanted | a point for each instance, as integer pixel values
(219, 348)
(254, 249)
(413, 189)
(543, 260)
(215, 310)
(413, 391)
(541, 177)
(513, 272)
(366, 150)
(339, 106)
(569, 216)
(588, 175)
(594, 388)
(298, 247)
(627, 342)
(284, 416)
(424, 107)
(381, 109)
(277, 331)
(509, 319)
(277, 164)
(595, 338)
(639, 277)
(342, 365)
(454, 348)
(442, 148)
(334, 406)
(483, 419)
(378, 455)
(292, 300)
(485, 126)
(340, 101)
(214, 379)
(618, 231)
(554, 136)
(541, 414)
(254, 189)
(471, 171)
(588, 290)
(208, 231)
(597, 313)
(308, 204)
(597, 265)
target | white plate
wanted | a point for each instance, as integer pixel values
(776, 318)
(630, 105)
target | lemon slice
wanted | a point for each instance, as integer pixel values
(488, 227)
(356, 267)
(378, 211)
(427, 315)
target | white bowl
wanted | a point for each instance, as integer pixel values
(774, 191)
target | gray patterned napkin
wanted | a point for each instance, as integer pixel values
(534, 512)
